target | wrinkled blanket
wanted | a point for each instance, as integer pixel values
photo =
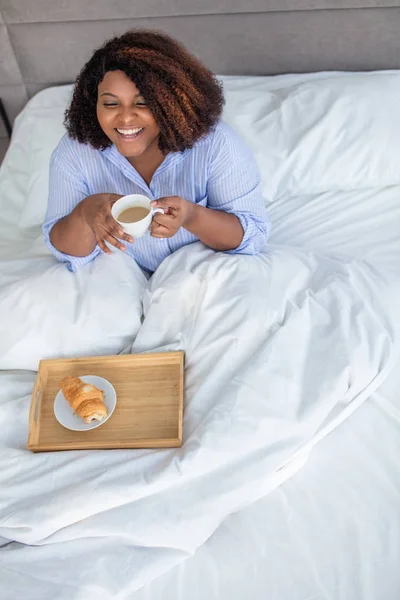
(280, 349)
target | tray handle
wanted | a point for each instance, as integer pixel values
(34, 411)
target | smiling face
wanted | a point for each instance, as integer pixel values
(124, 117)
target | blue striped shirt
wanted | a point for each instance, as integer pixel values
(219, 172)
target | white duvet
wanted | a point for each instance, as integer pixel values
(280, 349)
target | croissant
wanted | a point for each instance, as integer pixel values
(85, 399)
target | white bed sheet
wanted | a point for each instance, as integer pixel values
(329, 532)
(332, 532)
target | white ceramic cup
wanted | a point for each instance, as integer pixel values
(139, 228)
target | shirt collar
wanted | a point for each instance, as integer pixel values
(172, 159)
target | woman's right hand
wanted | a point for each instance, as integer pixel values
(96, 212)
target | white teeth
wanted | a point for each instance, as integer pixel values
(129, 131)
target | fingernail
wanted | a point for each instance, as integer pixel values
(153, 203)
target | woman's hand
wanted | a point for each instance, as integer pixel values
(215, 228)
(178, 213)
(96, 212)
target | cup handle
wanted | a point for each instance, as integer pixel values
(158, 210)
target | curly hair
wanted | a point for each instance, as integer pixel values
(184, 97)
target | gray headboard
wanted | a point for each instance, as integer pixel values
(46, 42)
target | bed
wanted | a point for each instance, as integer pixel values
(310, 511)
(287, 485)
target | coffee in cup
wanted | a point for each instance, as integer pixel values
(134, 213)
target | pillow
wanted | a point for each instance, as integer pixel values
(327, 133)
(41, 124)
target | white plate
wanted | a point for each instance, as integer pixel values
(66, 416)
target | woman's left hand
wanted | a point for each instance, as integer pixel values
(178, 213)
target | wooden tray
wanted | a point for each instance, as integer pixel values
(149, 407)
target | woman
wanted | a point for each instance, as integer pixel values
(144, 118)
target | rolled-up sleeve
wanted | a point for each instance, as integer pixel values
(66, 189)
(233, 186)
